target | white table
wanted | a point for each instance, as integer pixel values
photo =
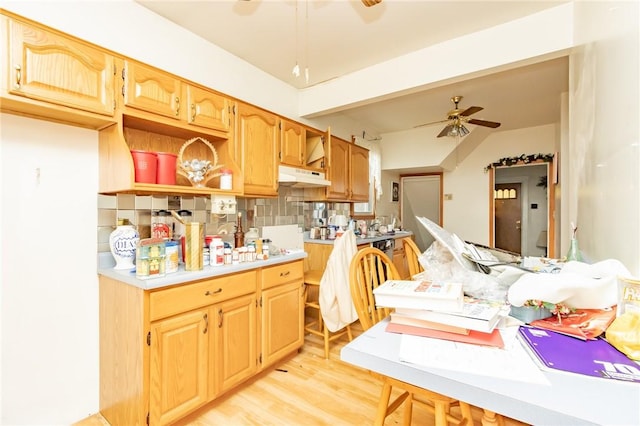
(568, 399)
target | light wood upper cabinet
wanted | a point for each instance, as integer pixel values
(46, 66)
(359, 173)
(207, 109)
(339, 157)
(259, 134)
(179, 365)
(292, 143)
(348, 171)
(151, 90)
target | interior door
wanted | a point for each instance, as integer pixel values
(421, 196)
(508, 216)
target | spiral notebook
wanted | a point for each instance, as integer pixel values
(595, 358)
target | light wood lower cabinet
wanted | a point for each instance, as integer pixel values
(166, 352)
(282, 311)
(179, 362)
(400, 259)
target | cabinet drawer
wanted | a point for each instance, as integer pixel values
(280, 274)
(172, 301)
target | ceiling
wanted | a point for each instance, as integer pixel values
(337, 37)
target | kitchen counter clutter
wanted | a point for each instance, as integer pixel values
(361, 241)
(105, 268)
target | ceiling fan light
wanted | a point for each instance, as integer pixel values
(463, 130)
(453, 131)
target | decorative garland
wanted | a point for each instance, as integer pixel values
(524, 159)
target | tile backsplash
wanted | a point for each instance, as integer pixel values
(289, 208)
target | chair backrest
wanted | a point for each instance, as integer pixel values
(369, 268)
(412, 253)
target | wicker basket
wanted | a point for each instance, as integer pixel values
(198, 172)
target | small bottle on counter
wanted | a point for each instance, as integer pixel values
(216, 251)
(239, 234)
(228, 254)
(265, 248)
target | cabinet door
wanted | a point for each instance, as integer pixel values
(292, 144)
(179, 360)
(282, 321)
(235, 356)
(259, 135)
(338, 169)
(207, 109)
(151, 90)
(359, 173)
(400, 261)
(56, 69)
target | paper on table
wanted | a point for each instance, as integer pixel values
(507, 363)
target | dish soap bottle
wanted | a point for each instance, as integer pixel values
(239, 234)
(574, 251)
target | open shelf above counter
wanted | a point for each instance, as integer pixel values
(139, 132)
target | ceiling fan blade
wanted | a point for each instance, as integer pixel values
(432, 123)
(471, 110)
(445, 131)
(369, 3)
(484, 123)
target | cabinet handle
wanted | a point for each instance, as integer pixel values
(177, 106)
(220, 316)
(206, 324)
(284, 274)
(211, 293)
(18, 76)
(193, 112)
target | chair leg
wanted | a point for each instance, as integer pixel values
(408, 410)
(349, 333)
(381, 413)
(465, 411)
(326, 341)
(440, 411)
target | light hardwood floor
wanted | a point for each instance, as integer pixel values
(304, 390)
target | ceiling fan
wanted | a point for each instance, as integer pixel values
(457, 117)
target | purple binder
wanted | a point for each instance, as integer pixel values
(595, 358)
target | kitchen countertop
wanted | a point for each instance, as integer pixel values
(359, 241)
(106, 262)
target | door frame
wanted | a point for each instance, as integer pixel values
(551, 180)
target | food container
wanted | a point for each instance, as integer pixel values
(193, 242)
(150, 258)
(172, 258)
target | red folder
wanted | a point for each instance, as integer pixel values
(475, 337)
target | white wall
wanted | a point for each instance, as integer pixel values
(467, 182)
(49, 311)
(604, 142)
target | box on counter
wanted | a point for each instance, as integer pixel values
(150, 258)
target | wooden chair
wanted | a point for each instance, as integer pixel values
(412, 252)
(317, 327)
(368, 269)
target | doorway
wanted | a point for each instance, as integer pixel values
(508, 214)
(421, 195)
(522, 205)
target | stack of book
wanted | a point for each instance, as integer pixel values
(439, 310)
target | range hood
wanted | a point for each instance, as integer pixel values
(301, 178)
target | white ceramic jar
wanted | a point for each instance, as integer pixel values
(122, 242)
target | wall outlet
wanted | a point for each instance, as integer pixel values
(223, 204)
(448, 197)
